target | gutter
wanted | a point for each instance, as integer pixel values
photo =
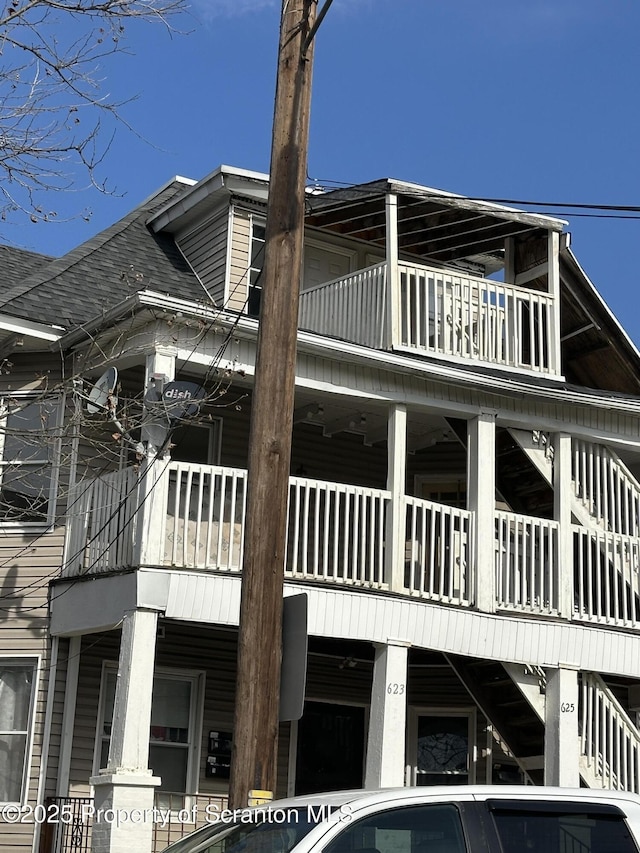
(544, 387)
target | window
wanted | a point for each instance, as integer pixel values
(175, 728)
(198, 443)
(256, 262)
(409, 829)
(557, 827)
(27, 450)
(17, 696)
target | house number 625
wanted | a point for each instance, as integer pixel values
(567, 707)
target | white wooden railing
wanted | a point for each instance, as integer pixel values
(352, 308)
(205, 516)
(527, 572)
(436, 311)
(449, 313)
(606, 487)
(606, 577)
(610, 743)
(336, 532)
(438, 557)
(101, 531)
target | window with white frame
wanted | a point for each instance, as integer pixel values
(256, 262)
(174, 732)
(28, 443)
(17, 697)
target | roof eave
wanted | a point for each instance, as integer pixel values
(225, 179)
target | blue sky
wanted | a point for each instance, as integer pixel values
(504, 99)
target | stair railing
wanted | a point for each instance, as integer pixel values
(609, 741)
(606, 487)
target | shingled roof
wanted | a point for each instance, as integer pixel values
(99, 274)
(16, 264)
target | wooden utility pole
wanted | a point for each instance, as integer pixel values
(255, 732)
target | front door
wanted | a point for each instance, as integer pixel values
(442, 747)
(330, 752)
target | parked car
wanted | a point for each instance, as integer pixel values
(471, 819)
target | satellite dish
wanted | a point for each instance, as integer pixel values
(181, 399)
(101, 391)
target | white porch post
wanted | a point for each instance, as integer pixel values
(561, 737)
(562, 487)
(68, 715)
(481, 497)
(393, 289)
(153, 487)
(388, 718)
(127, 784)
(553, 279)
(395, 533)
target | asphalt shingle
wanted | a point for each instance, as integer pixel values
(99, 274)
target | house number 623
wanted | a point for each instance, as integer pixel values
(394, 688)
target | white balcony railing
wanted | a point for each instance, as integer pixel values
(101, 531)
(338, 533)
(439, 312)
(527, 572)
(352, 308)
(438, 558)
(205, 516)
(448, 313)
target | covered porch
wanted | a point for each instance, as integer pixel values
(457, 279)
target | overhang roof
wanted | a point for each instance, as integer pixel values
(431, 223)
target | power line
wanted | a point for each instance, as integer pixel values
(610, 211)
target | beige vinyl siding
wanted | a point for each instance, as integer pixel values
(28, 564)
(239, 260)
(28, 561)
(205, 248)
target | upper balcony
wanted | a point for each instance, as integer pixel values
(440, 276)
(424, 310)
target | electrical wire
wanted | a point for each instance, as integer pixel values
(36, 586)
(610, 211)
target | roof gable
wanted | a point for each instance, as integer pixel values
(105, 270)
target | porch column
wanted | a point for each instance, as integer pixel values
(160, 367)
(68, 715)
(393, 290)
(561, 737)
(126, 788)
(481, 498)
(395, 533)
(562, 495)
(386, 750)
(153, 483)
(553, 284)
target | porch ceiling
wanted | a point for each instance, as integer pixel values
(437, 225)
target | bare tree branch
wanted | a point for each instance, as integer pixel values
(53, 96)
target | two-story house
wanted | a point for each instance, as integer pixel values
(464, 510)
